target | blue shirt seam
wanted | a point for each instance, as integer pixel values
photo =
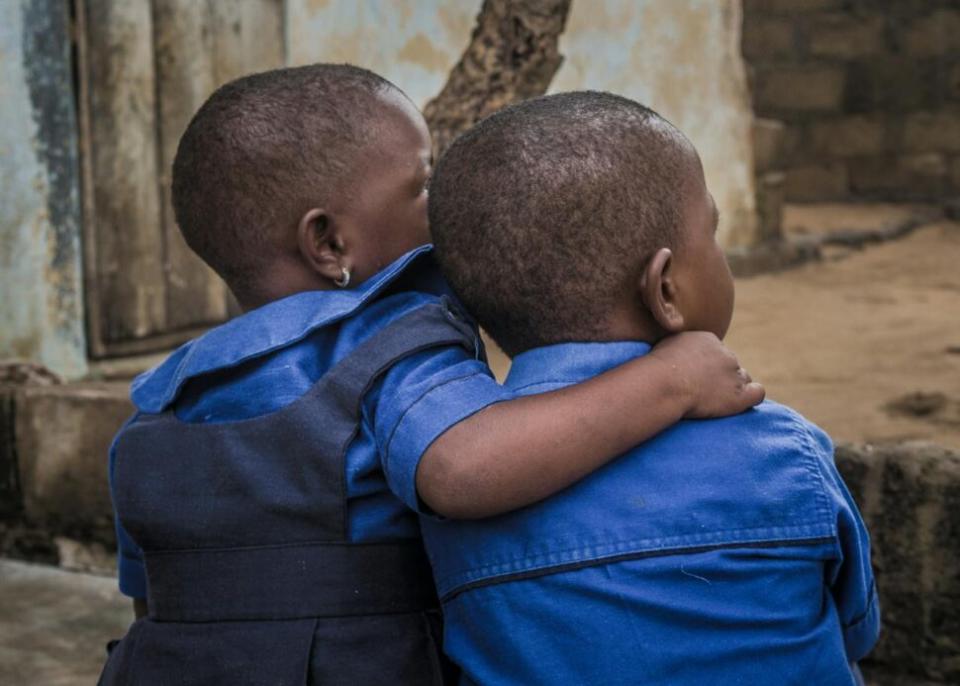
(813, 466)
(546, 382)
(679, 543)
(871, 601)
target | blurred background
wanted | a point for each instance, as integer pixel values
(830, 136)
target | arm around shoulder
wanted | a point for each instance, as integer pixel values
(454, 440)
(518, 452)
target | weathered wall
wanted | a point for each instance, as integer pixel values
(414, 43)
(681, 58)
(62, 438)
(41, 312)
(870, 92)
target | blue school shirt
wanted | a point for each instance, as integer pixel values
(267, 358)
(724, 551)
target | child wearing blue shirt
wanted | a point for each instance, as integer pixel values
(579, 230)
(265, 488)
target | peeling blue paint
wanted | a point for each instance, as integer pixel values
(42, 311)
(46, 61)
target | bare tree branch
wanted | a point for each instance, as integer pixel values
(512, 56)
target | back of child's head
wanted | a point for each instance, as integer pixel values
(261, 151)
(544, 211)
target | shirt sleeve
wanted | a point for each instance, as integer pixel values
(418, 400)
(850, 577)
(131, 572)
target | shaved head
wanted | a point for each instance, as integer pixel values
(542, 213)
(264, 149)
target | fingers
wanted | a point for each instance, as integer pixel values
(715, 382)
(750, 393)
(754, 393)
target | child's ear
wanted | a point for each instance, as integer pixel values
(659, 293)
(320, 244)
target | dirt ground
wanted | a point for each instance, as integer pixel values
(866, 342)
(54, 625)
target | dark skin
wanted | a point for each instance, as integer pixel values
(517, 452)
(681, 301)
(688, 288)
(474, 469)
(379, 213)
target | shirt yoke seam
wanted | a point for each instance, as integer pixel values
(803, 533)
(546, 382)
(484, 578)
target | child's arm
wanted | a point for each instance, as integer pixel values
(517, 452)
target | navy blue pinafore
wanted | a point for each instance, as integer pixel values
(251, 577)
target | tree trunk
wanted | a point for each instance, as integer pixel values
(512, 56)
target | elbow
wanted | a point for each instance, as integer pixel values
(450, 487)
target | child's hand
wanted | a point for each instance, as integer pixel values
(708, 374)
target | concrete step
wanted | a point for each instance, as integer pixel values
(54, 442)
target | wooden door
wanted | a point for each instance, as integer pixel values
(144, 67)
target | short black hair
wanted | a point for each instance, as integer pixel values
(542, 212)
(260, 152)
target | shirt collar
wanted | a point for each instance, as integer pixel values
(569, 363)
(261, 331)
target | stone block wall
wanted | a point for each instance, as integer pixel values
(869, 91)
(909, 495)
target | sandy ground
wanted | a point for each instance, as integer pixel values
(54, 625)
(866, 343)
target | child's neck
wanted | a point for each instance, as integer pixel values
(630, 324)
(278, 285)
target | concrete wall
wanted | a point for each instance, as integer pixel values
(909, 495)
(62, 436)
(870, 93)
(681, 58)
(41, 298)
(414, 43)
